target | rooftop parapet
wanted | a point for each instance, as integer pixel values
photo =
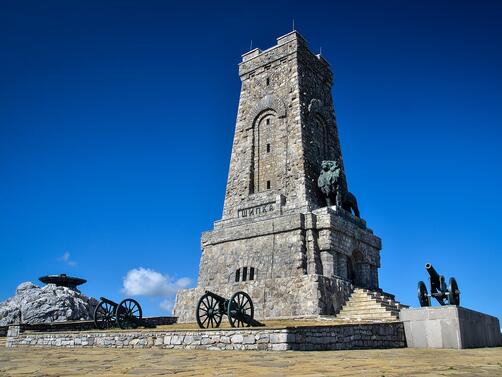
(286, 45)
(291, 36)
(251, 54)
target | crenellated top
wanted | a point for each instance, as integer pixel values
(287, 45)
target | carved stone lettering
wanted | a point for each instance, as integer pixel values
(254, 211)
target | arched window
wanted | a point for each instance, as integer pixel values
(264, 169)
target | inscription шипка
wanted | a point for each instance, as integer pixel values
(258, 210)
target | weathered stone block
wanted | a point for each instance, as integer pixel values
(279, 338)
(236, 338)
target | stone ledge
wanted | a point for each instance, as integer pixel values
(325, 218)
(85, 325)
(309, 338)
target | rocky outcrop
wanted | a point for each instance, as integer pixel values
(51, 303)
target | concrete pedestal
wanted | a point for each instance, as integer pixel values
(450, 327)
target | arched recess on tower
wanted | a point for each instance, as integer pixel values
(267, 102)
(264, 127)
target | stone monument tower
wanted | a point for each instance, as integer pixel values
(277, 239)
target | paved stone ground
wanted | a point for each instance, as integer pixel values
(148, 362)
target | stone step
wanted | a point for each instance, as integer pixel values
(366, 305)
(379, 308)
(368, 318)
(369, 304)
(347, 317)
(372, 299)
(369, 312)
(386, 300)
(351, 306)
(371, 320)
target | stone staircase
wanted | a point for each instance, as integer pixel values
(370, 306)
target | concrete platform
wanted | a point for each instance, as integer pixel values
(450, 327)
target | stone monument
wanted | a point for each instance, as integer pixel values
(281, 239)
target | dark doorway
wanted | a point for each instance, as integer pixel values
(351, 273)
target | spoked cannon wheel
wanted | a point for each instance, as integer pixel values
(209, 312)
(423, 296)
(240, 310)
(104, 315)
(453, 292)
(129, 314)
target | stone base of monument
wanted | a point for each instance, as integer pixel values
(301, 338)
(450, 327)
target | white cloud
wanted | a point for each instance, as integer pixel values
(167, 305)
(66, 259)
(147, 282)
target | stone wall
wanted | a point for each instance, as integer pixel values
(364, 336)
(81, 325)
(301, 296)
(299, 262)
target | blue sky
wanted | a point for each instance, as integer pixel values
(117, 117)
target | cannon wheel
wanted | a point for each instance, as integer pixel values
(104, 315)
(453, 293)
(240, 306)
(208, 312)
(423, 296)
(129, 314)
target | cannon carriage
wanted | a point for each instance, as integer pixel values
(212, 307)
(443, 294)
(127, 314)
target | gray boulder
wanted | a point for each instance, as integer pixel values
(51, 303)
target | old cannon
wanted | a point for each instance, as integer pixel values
(438, 288)
(239, 309)
(127, 314)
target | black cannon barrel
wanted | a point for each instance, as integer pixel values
(108, 301)
(216, 297)
(435, 279)
(432, 272)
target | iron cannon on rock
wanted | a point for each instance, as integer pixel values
(239, 309)
(126, 315)
(443, 294)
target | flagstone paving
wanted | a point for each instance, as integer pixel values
(152, 362)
